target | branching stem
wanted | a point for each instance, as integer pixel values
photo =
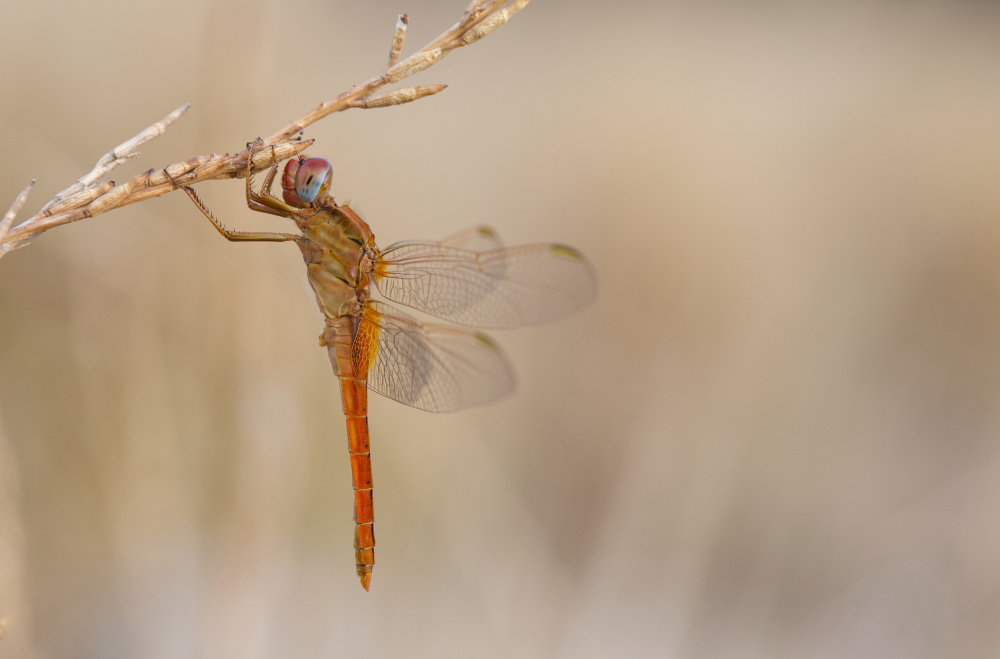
(87, 198)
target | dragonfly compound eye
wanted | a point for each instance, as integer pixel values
(313, 177)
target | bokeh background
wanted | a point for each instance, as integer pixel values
(775, 434)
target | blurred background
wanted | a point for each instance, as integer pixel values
(775, 434)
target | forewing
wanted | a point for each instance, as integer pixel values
(428, 366)
(502, 287)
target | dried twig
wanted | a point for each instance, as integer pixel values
(86, 198)
(467, 30)
(397, 39)
(118, 155)
(8, 219)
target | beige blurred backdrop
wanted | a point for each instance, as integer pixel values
(775, 433)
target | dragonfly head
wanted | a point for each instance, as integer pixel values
(305, 180)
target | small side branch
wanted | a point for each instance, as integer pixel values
(119, 154)
(8, 219)
(397, 39)
(398, 96)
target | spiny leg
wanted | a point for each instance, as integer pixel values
(256, 197)
(251, 195)
(267, 200)
(235, 236)
(266, 197)
(261, 208)
(265, 188)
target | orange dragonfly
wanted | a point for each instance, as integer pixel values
(468, 279)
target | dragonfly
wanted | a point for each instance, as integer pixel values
(469, 279)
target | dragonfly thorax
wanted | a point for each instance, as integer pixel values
(338, 248)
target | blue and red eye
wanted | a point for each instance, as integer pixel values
(305, 181)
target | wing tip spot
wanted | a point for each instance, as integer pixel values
(566, 252)
(487, 341)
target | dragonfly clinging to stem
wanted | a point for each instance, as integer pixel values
(470, 279)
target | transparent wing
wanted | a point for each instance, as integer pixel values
(501, 287)
(428, 366)
(478, 239)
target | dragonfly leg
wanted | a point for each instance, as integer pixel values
(235, 236)
(265, 198)
(261, 208)
(265, 188)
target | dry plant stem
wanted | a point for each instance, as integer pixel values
(8, 218)
(398, 96)
(420, 60)
(398, 38)
(86, 198)
(154, 183)
(120, 154)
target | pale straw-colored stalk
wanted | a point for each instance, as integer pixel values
(87, 198)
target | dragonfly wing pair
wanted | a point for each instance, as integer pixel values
(470, 280)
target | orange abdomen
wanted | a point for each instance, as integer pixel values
(354, 395)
